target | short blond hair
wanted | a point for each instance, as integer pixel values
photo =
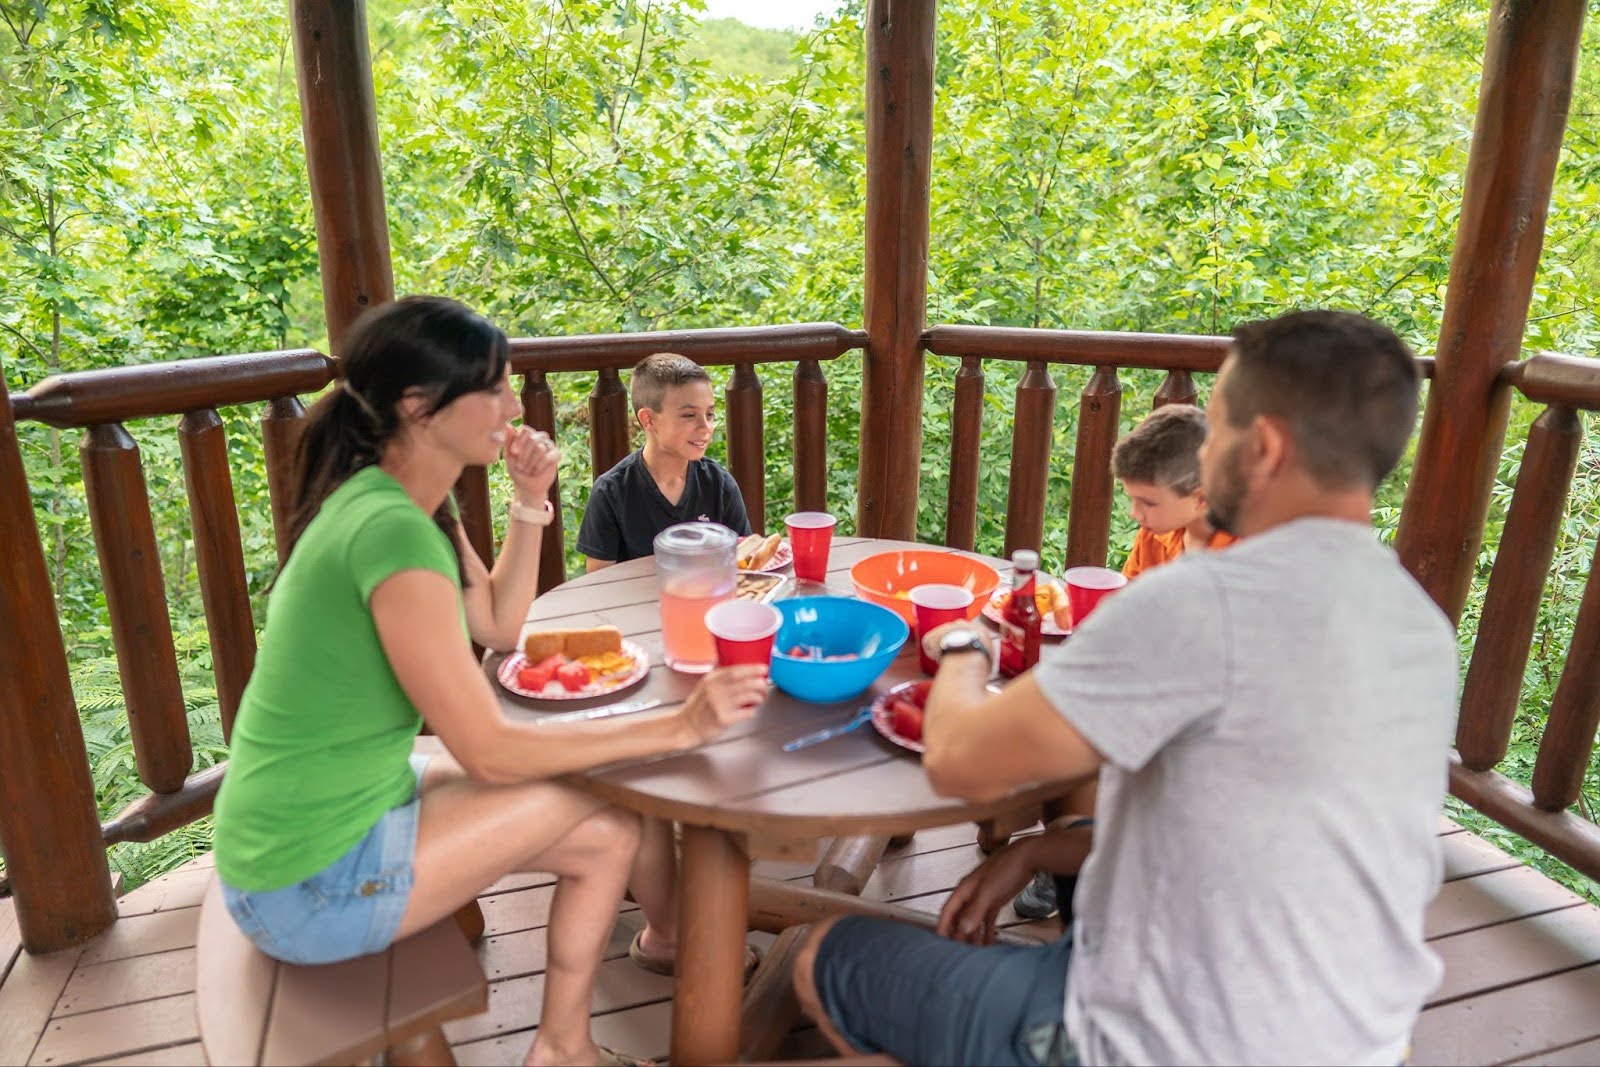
(654, 375)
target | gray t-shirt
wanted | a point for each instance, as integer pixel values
(1275, 719)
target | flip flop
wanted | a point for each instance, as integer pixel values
(608, 1057)
(665, 965)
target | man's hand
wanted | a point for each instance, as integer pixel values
(931, 639)
(723, 697)
(969, 915)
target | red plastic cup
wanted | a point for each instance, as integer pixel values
(1087, 586)
(743, 632)
(810, 536)
(934, 605)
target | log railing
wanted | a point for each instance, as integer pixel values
(1506, 628)
(102, 403)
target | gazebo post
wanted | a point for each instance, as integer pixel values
(1528, 68)
(339, 118)
(49, 829)
(899, 138)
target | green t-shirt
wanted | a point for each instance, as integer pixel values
(321, 744)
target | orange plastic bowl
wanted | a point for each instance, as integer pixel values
(878, 578)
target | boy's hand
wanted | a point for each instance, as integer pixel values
(532, 459)
(723, 697)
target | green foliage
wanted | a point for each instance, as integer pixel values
(587, 167)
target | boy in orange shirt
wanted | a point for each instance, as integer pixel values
(1158, 464)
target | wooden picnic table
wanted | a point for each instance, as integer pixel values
(741, 796)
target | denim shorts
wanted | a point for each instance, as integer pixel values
(903, 990)
(352, 907)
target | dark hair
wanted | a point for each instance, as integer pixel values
(1345, 386)
(654, 375)
(1163, 450)
(428, 343)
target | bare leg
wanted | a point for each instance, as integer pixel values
(805, 988)
(470, 834)
(654, 884)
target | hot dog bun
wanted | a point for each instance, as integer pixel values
(598, 640)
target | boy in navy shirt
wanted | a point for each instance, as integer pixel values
(668, 481)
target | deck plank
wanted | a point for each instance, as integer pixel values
(182, 888)
(140, 935)
(27, 998)
(515, 1004)
(1466, 856)
(1520, 1021)
(1515, 952)
(126, 1028)
(1496, 897)
(126, 981)
(643, 1031)
(1583, 1054)
(191, 1054)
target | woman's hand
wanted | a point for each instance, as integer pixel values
(531, 459)
(970, 913)
(723, 697)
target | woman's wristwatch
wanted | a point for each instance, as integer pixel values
(964, 641)
(528, 513)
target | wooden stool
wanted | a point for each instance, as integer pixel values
(253, 1009)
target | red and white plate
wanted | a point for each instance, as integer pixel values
(883, 718)
(780, 559)
(1047, 623)
(616, 683)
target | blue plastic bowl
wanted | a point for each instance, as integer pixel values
(837, 626)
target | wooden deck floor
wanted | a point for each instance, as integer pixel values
(1521, 985)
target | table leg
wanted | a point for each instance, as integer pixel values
(713, 899)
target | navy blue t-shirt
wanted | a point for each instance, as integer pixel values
(626, 509)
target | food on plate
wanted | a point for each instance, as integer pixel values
(755, 586)
(606, 664)
(815, 653)
(901, 594)
(754, 552)
(573, 644)
(574, 675)
(1051, 597)
(907, 708)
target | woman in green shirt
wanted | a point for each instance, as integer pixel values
(332, 840)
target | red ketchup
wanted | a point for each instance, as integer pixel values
(1020, 621)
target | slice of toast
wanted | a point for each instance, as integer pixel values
(595, 641)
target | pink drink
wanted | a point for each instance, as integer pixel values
(684, 636)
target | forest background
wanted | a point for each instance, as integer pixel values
(586, 166)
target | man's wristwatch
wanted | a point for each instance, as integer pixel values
(528, 513)
(963, 641)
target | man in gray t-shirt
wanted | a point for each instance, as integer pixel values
(1269, 724)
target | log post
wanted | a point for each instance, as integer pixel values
(1032, 429)
(281, 424)
(539, 411)
(966, 436)
(609, 424)
(899, 121)
(747, 442)
(1528, 67)
(1089, 517)
(810, 437)
(49, 830)
(339, 120)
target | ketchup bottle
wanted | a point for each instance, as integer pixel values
(1020, 621)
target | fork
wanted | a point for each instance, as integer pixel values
(861, 718)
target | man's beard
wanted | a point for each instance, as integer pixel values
(1224, 499)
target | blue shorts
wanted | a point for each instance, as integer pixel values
(900, 989)
(352, 907)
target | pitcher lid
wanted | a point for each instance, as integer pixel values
(691, 537)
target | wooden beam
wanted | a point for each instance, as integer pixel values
(49, 830)
(899, 119)
(1528, 68)
(339, 119)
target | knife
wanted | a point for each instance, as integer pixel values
(600, 713)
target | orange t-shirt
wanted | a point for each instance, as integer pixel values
(1152, 550)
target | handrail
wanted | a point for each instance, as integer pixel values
(1548, 378)
(177, 387)
(1151, 351)
(720, 346)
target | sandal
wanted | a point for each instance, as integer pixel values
(667, 965)
(609, 1057)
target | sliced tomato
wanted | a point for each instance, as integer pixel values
(574, 676)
